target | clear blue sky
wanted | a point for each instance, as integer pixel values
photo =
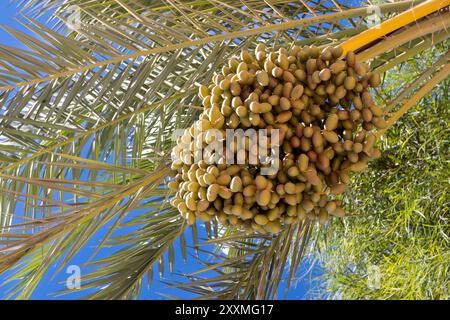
(8, 12)
(48, 285)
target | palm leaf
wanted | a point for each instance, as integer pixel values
(248, 267)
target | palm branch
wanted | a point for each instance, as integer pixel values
(87, 117)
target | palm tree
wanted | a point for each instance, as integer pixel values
(87, 116)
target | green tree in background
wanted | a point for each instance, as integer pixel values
(400, 207)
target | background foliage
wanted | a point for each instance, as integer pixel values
(400, 207)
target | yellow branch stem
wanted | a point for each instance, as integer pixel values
(418, 30)
(393, 24)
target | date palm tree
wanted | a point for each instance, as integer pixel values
(88, 108)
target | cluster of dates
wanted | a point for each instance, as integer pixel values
(313, 105)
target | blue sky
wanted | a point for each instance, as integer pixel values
(8, 12)
(50, 285)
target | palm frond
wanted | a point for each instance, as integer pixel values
(248, 267)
